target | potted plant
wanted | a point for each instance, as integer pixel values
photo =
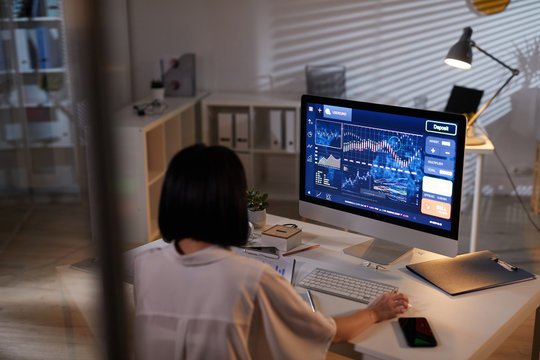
(257, 203)
(158, 90)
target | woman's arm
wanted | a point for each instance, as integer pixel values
(384, 307)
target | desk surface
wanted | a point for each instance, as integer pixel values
(469, 326)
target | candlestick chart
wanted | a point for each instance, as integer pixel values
(382, 164)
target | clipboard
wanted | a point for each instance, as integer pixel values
(470, 272)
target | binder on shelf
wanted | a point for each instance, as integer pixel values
(241, 131)
(52, 8)
(290, 126)
(225, 129)
(276, 135)
(37, 8)
(44, 47)
(3, 65)
(23, 53)
(469, 272)
(55, 51)
(64, 130)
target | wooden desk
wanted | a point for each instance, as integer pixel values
(480, 151)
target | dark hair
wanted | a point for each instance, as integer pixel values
(204, 197)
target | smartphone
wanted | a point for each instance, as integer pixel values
(417, 331)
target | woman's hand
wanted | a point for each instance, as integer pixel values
(389, 305)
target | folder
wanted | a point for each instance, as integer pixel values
(23, 54)
(290, 133)
(225, 129)
(241, 131)
(470, 272)
(276, 135)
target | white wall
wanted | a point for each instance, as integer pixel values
(393, 51)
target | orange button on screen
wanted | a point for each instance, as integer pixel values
(436, 208)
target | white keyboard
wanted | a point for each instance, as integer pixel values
(345, 286)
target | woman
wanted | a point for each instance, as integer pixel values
(197, 299)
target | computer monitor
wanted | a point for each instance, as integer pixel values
(389, 172)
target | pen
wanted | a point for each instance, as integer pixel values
(311, 301)
(300, 250)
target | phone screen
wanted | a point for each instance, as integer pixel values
(417, 331)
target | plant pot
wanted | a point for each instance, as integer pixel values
(158, 94)
(257, 218)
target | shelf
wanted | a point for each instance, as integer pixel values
(36, 19)
(271, 159)
(45, 130)
(273, 152)
(44, 70)
(144, 147)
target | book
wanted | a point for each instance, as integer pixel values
(470, 272)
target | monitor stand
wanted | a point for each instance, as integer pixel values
(377, 251)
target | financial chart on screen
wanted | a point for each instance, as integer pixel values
(392, 164)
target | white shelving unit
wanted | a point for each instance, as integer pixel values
(144, 146)
(270, 152)
(36, 107)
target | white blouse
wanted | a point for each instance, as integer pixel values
(215, 304)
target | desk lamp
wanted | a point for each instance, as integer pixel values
(460, 56)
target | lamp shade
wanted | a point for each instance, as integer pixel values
(460, 54)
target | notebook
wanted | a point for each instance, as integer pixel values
(470, 272)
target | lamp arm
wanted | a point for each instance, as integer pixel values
(475, 116)
(514, 73)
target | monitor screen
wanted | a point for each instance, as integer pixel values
(389, 172)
